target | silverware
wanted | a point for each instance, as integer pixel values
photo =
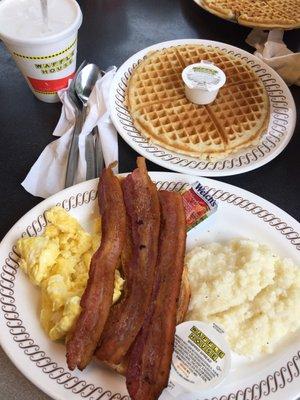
(99, 160)
(98, 152)
(78, 93)
(73, 151)
(84, 85)
(71, 90)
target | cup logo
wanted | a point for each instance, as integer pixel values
(56, 66)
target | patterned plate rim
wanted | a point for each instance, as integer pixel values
(273, 142)
(274, 382)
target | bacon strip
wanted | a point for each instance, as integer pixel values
(149, 359)
(126, 317)
(97, 297)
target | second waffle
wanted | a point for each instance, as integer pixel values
(161, 112)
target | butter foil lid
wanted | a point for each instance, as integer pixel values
(198, 204)
(204, 75)
(201, 358)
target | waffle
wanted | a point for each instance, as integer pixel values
(289, 8)
(160, 111)
(259, 13)
(156, 79)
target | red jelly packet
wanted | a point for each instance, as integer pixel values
(198, 204)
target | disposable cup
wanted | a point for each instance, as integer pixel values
(46, 62)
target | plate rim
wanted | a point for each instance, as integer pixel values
(169, 178)
(210, 173)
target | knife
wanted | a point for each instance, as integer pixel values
(73, 151)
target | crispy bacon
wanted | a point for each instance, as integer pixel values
(150, 356)
(97, 298)
(126, 317)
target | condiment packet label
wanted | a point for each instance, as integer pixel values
(198, 204)
(201, 358)
(202, 76)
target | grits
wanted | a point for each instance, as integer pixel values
(248, 290)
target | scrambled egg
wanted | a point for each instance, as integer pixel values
(58, 262)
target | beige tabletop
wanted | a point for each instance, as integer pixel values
(13, 385)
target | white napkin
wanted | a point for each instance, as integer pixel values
(47, 175)
(272, 50)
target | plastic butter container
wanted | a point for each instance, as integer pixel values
(202, 82)
(201, 359)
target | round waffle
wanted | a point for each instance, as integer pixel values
(161, 112)
(268, 14)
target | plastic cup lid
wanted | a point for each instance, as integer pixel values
(71, 29)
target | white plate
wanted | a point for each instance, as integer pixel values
(279, 132)
(240, 214)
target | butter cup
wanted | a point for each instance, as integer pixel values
(201, 359)
(202, 82)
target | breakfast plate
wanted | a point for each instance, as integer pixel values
(272, 143)
(240, 214)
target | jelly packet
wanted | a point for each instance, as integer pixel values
(198, 204)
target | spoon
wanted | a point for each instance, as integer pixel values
(84, 85)
(85, 82)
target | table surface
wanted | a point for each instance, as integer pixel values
(111, 32)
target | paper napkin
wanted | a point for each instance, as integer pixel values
(47, 175)
(273, 51)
